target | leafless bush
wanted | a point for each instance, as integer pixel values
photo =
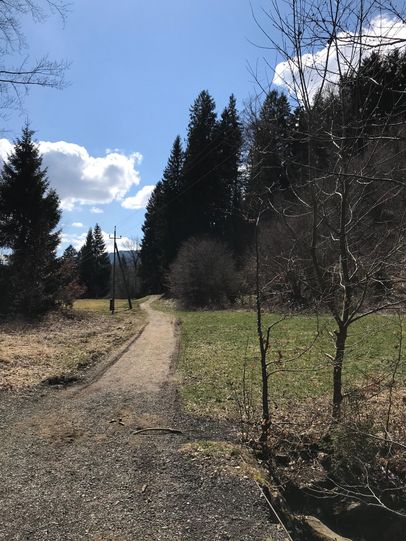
(204, 274)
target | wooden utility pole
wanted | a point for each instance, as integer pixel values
(130, 306)
(113, 289)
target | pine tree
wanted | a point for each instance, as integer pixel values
(70, 262)
(87, 265)
(102, 263)
(229, 193)
(71, 289)
(270, 149)
(162, 226)
(171, 224)
(200, 179)
(29, 215)
(152, 269)
(94, 264)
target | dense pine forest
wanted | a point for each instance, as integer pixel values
(283, 167)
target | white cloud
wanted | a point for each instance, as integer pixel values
(77, 224)
(96, 210)
(78, 239)
(381, 35)
(80, 178)
(140, 199)
(6, 148)
(121, 243)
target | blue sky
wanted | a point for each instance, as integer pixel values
(136, 67)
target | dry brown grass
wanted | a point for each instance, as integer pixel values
(62, 343)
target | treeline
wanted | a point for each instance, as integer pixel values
(200, 192)
(278, 176)
(33, 279)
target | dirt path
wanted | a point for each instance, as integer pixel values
(72, 468)
(145, 366)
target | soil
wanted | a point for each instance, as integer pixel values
(73, 468)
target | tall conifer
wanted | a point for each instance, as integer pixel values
(229, 192)
(102, 263)
(163, 224)
(200, 176)
(29, 215)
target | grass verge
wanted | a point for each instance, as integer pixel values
(63, 342)
(217, 347)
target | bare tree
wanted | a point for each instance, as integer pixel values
(347, 211)
(17, 72)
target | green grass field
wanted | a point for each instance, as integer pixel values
(216, 345)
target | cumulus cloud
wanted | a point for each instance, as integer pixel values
(78, 239)
(382, 34)
(75, 239)
(96, 210)
(77, 224)
(80, 178)
(140, 199)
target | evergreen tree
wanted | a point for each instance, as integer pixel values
(162, 226)
(172, 181)
(87, 265)
(71, 289)
(152, 269)
(102, 263)
(29, 215)
(94, 264)
(200, 178)
(229, 192)
(270, 149)
(70, 259)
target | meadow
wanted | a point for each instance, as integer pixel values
(219, 356)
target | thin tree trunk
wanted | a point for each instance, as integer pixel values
(341, 339)
(263, 346)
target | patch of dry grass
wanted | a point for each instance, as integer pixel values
(63, 342)
(225, 457)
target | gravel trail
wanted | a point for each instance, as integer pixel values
(71, 467)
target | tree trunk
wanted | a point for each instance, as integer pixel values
(341, 339)
(263, 346)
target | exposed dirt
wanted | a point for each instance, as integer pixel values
(72, 467)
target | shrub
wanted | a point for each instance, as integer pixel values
(204, 274)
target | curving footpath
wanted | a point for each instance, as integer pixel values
(72, 466)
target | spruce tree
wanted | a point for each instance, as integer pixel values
(70, 263)
(29, 215)
(94, 264)
(87, 265)
(102, 263)
(270, 149)
(152, 269)
(171, 223)
(163, 225)
(200, 179)
(229, 192)
(71, 289)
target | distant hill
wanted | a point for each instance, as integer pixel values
(125, 254)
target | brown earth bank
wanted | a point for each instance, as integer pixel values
(74, 464)
(349, 475)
